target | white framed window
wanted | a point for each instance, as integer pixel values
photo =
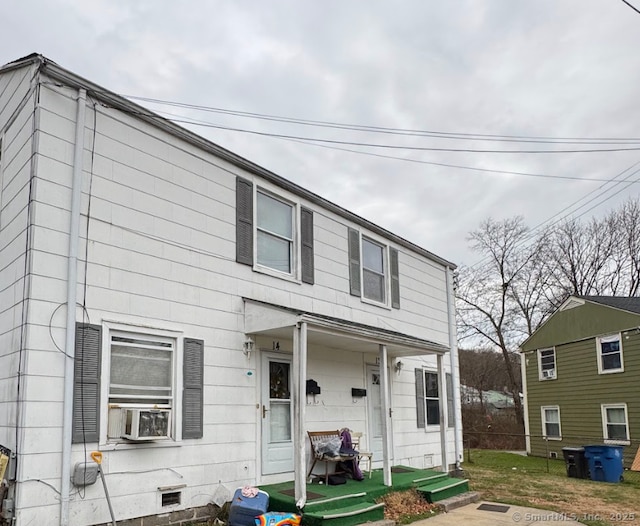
(551, 422)
(374, 274)
(374, 271)
(432, 398)
(547, 364)
(609, 349)
(141, 379)
(275, 233)
(615, 424)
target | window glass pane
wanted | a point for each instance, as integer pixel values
(279, 380)
(137, 371)
(611, 361)
(275, 216)
(553, 430)
(431, 383)
(615, 415)
(617, 432)
(280, 421)
(552, 416)
(274, 252)
(433, 412)
(373, 286)
(548, 360)
(372, 256)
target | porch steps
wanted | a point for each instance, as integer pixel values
(443, 489)
(345, 515)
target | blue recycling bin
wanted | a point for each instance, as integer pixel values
(605, 462)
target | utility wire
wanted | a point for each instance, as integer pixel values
(632, 7)
(395, 131)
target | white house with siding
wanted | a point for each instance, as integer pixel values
(208, 294)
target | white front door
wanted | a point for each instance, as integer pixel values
(277, 414)
(374, 407)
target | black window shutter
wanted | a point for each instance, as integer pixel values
(420, 405)
(193, 381)
(354, 262)
(395, 279)
(306, 240)
(86, 384)
(244, 221)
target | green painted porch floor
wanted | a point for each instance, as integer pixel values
(354, 502)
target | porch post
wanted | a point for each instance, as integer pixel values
(299, 407)
(385, 408)
(442, 400)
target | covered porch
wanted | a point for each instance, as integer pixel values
(308, 333)
(357, 502)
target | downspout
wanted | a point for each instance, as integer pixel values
(455, 369)
(72, 284)
(525, 400)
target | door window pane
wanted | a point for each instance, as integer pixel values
(280, 421)
(279, 380)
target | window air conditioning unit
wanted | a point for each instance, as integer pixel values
(146, 424)
(549, 373)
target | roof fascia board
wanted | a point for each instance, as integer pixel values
(56, 72)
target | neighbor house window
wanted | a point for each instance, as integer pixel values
(615, 423)
(273, 234)
(373, 270)
(275, 240)
(551, 422)
(547, 363)
(609, 350)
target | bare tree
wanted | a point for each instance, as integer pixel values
(625, 223)
(487, 311)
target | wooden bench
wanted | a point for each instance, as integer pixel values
(317, 440)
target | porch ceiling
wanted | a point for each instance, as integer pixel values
(278, 322)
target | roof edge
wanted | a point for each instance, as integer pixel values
(57, 72)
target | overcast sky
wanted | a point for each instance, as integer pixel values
(536, 68)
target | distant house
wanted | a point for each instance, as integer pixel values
(581, 376)
(493, 401)
(204, 292)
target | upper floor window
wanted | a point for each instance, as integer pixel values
(615, 423)
(609, 350)
(274, 226)
(275, 234)
(547, 364)
(373, 270)
(374, 278)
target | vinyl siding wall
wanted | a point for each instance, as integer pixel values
(17, 122)
(162, 254)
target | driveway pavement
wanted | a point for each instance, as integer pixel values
(492, 514)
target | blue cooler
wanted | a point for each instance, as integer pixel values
(244, 510)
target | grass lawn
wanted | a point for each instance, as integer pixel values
(500, 476)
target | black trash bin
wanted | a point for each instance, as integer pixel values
(576, 462)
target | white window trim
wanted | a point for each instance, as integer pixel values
(176, 418)
(603, 409)
(599, 340)
(555, 364)
(296, 262)
(544, 422)
(387, 272)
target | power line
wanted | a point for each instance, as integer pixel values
(171, 116)
(398, 147)
(632, 7)
(395, 131)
